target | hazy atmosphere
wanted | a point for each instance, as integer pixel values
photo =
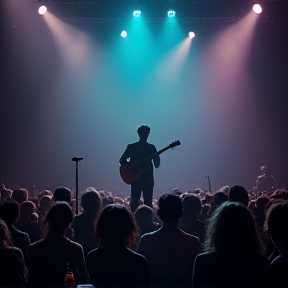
(77, 88)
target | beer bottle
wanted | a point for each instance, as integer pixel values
(69, 277)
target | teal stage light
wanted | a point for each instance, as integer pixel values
(137, 13)
(123, 34)
(191, 34)
(171, 13)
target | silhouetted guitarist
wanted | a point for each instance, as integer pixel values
(145, 183)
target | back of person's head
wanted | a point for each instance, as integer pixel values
(218, 199)
(6, 194)
(281, 194)
(225, 189)
(239, 194)
(9, 212)
(91, 202)
(5, 238)
(45, 202)
(62, 194)
(44, 193)
(231, 230)
(261, 203)
(191, 205)
(205, 209)
(58, 218)
(116, 226)
(20, 195)
(277, 225)
(143, 131)
(170, 208)
(143, 215)
(27, 208)
(107, 200)
(34, 200)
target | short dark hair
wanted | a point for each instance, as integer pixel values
(277, 223)
(143, 215)
(58, 217)
(20, 195)
(9, 212)
(62, 194)
(143, 130)
(27, 208)
(239, 194)
(115, 224)
(170, 208)
(192, 204)
(91, 201)
(45, 202)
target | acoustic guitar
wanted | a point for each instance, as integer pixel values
(130, 172)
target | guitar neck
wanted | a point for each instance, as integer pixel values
(155, 154)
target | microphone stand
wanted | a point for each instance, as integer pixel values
(76, 160)
(209, 183)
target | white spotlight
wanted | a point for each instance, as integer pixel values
(257, 8)
(123, 34)
(42, 10)
(191, 34)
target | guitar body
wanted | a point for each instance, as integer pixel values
(130, 172)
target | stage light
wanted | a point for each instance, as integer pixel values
(42, 10)
(257, 8)
(123, 34)
(137, 13)
(191, 34)
(171, 13)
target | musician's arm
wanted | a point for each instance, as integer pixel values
(156, 161)
(125, 156)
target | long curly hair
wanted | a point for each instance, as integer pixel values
(232, 230)
(115, 225)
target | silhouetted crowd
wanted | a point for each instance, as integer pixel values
(228, 238)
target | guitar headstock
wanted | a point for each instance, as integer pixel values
(174, 144)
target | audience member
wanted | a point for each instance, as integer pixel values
(170, 252)
(47, 259)
(277, 219)
(9, 212)
(20, 195)
(234, 251)
(62, 194)
(6, 194)
(189, 223)
(12, 267)
(44, 206)
(217, 200)
(83, 224)
(260, 212)
(205, 211)
(113, 264)
(144, 219)
(25, 223)
(239, 194)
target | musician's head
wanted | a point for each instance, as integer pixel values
(143, 132)
(264, 170)
(170, 208)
